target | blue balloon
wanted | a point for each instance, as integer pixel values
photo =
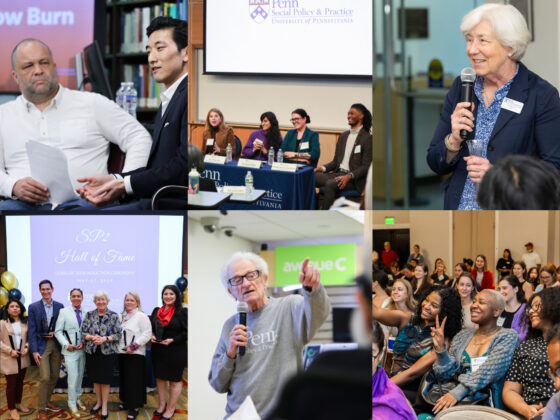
(181, 283)
(14, 294)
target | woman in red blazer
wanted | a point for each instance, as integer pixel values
(484, 277)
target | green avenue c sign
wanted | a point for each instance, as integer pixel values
(335, 262)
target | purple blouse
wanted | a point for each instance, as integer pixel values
(258, 155)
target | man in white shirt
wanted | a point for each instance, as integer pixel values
(167, 163)
(531, 258)
(81, 124)
(352, 158)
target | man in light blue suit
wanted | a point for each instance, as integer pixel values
(68, 332)
(42, 316)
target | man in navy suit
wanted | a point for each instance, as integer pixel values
(167, 163)
(42, 316)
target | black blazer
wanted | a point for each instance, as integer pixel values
(359, 162)
(167, 163)
(177, 328)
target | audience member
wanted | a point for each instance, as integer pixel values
(518, 182)
(552, 411)
(520, 271)
(217, 134)
(533, 278)
(481, 357)
(14, 356)
(439, 276)
(43, 315)
(421, 281)
(301, 145)
(352, 158)
(412, 351)
(468, 263)
(101, 332)
(505, 264)
(466, 287)
(528, 386)
(81, 124)
(531, 258)
(548, 278)
(484, 277)
(459, 269)
(262, 140)
(388, 255)
(68, 332)
(511, 317)
(415, 254)
(387, 399)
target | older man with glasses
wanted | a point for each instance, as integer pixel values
(277, 330)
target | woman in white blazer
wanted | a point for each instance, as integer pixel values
(68, 332)
(136, 332)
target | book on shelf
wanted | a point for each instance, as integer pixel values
(134, 23)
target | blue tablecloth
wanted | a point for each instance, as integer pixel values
(284, 190)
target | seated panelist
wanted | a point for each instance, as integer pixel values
(260, 141)
(217, 134)
(301, 145)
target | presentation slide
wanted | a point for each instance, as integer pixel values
(112, 253)
(298, 37)
(66, 26)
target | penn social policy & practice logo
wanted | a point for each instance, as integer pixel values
(259, 10)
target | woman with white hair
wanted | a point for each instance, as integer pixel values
(480, 357)
(101, 332)
(513, 110)
(136, 332)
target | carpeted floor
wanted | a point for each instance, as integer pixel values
(30, 390)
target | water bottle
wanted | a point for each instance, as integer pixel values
(280, 156)
(271, 155)
(120, 95)
(131, 98)
(249, 184)
(228, 153)
(194, 178)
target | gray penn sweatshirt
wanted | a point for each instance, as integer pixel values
(277, 334)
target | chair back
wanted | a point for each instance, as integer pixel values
(115, 163)
(238, 148)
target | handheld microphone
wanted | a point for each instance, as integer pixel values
(468, 77)
(242, 309)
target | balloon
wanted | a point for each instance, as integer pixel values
(3, 296)
(186, 297)
(181, 283)
(9, 281)
(14, 294)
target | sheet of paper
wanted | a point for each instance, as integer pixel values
(50, 167)
(246, 411)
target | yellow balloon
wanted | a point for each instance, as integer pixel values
(186, 296)
(9, 281)
(3, 296)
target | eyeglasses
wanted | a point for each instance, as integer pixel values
(250, 275)
(554, 374)
(293, 120)
(534, 308)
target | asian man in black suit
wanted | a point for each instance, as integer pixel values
(167, 163)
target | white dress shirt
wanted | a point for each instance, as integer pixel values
(81, 124)
(165, 99)
(345, 164)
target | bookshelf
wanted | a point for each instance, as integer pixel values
(124, 54)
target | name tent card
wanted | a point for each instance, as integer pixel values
(249, 163)
(285, 167)
(220, 160)
(234, 189)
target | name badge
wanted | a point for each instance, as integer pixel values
(512, 105)
(476, 362)
(210, 142)
(358, 148)
(500, 321)
(304, 145)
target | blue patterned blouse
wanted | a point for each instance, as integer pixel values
(485, 121)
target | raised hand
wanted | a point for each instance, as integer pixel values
(309, 276)
(438, 336)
